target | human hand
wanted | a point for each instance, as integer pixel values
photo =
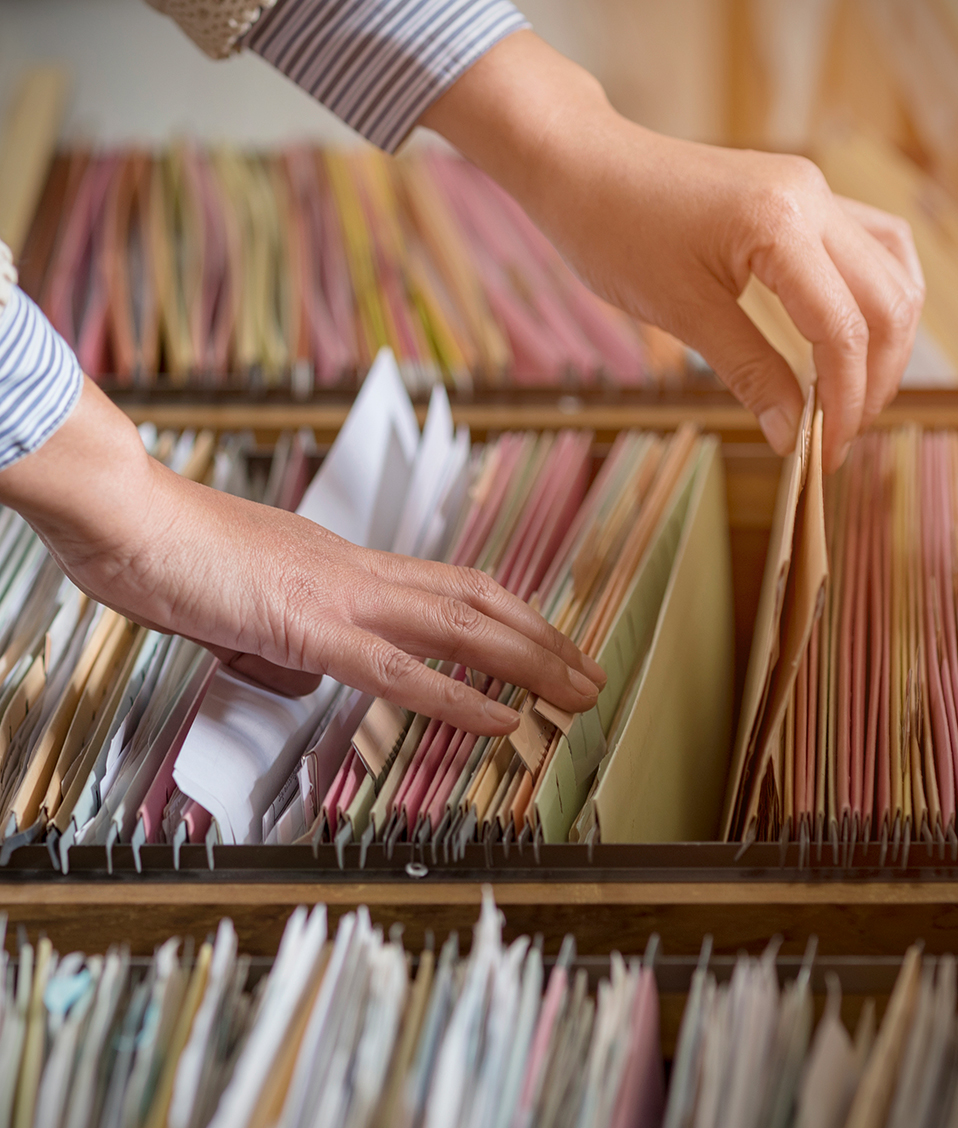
(280, 599)
(704, 221)
(670, 231)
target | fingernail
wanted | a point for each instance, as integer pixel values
(594, 671)
(501, 714)
(779, 428)
(581, 684)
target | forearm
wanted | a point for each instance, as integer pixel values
(542, 127)
(530, 118)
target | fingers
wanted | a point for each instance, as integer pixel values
(479, 591)
(749, 366)
(372, 664)
(891, 231)
(852, 283)
(819, 301)
(858, 305)
(440, 626)
(890, 302)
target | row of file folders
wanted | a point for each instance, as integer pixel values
(211, 269)
(848, 730)
(347, 1030)
(111, 733)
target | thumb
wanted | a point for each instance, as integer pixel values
(750, 368)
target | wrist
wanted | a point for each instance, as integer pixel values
(90, 484)
(584, 173)
(517, 113)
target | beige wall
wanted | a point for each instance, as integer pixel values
(742, 71)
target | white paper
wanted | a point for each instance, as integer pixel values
(242, 747)
(360, 490)
(189, 1070)
(291, 975)
(426, 481)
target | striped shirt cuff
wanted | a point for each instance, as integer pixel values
(40, 379)
(8, 275)
(379, 64)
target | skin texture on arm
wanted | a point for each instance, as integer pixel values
(278, 598)
(670, 231)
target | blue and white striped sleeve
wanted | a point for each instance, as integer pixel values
(40, 378)
(379, 64)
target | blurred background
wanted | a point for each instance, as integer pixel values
(868, 88)
(771, 73)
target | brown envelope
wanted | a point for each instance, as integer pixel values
(791, 600)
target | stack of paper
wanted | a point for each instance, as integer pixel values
(849, 728)
(349, 1030)
(94, 709)
(245, 742)
(744, 1047)
(340, 1033)
(220, 269)
(747, 1053)
(625, 568)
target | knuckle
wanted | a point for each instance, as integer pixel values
(477, 586)
(321, 646)
(915, 295)
(900, 228)
(782, 207)
(389, 666)
(456, 694)
(805, 175)
(900, 315)
(851, 330)
(799, 184)
(461, 618)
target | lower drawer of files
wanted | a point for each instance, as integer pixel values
(352, 1024)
